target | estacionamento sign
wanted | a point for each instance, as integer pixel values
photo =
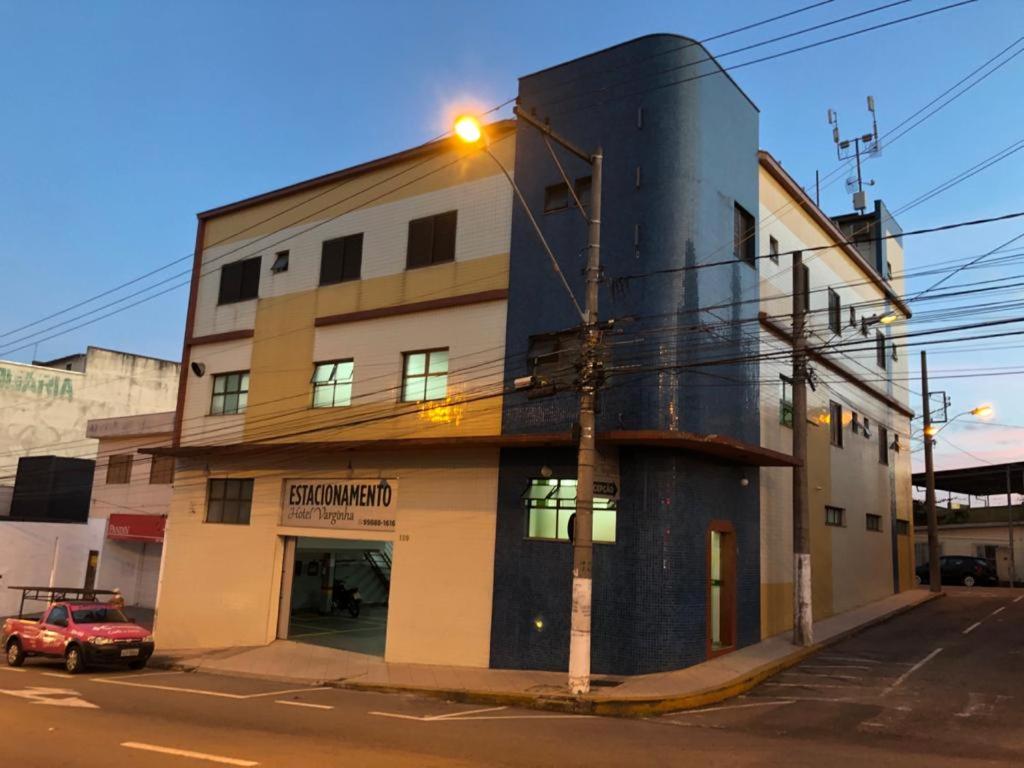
(361, 504)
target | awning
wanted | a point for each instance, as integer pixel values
(990, 480)
(149, 528)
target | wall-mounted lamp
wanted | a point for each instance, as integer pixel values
(546, 471)
(198, 369)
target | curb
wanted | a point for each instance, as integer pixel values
(633, 706)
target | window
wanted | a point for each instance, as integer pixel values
(883, 445)
(986, 551)
(835, 312)
(425, 375)
(119, 469)
(230, 393)
(332, 383)
(161, 470)
(58, 617)
(556, 197)
(854, 422)
(902, 527)
(835, 516)
(230, 501)
(786, 402)
(807, 287)
(280, 262)
(880, 349)
(743, 235)
(873, 522)
(550, 503)
(866, 427)
(431, 240)
(835, 423)
(341, 259)
(853, 317)
(239, 281)
(773, 249)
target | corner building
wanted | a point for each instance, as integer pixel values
(365, 328)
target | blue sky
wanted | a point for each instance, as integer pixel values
(124, 119)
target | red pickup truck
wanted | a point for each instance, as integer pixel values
(83, 633)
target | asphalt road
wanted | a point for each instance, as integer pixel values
(932, 687)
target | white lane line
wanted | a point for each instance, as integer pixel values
(971, 628)
(454, 717)
(833, 666)
(1018, 599)
(470, 712)
(997, 610)
(302, 704)
(188, 753)
(781, 702)
(12, 669)
(854, 659)
(55, 674)
(137, 675)
(899, 680)
(815, 685)
(197, 691)
(832, 675)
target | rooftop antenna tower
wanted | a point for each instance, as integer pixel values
(867, 143)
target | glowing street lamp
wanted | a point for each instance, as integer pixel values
(468, 129)
(982, 411)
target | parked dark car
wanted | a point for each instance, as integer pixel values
(960, 569)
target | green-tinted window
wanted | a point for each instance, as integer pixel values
(551, 502)
(332, 383)
(425, 375)
(230, 393)
(229, 501)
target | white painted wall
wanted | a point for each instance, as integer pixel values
(27, 555)
(131, 567)
(484, 227)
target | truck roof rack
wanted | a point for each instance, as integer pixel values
(59, 594)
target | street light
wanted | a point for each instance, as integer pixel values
(468, 129)
(981, 411)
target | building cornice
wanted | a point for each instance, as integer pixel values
(777, 172)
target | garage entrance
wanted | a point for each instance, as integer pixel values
(337, 592)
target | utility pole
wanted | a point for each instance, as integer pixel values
(803, 632)
(588, 383)
(1009, 525)
(583, 543)
(934, 576)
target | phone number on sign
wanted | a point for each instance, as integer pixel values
(369, 523)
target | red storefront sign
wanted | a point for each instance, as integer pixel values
(136, 528)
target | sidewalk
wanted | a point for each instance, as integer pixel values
(697, 686)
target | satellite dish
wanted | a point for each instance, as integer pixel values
(851, 184)
(875, 148)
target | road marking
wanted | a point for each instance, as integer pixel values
(832, 675)
(834, 666)
(899, 680)
(813, 685)
(188, 753)
(37, 695)
(850, 658)
(997, 610)
(971, 628)
(1018, 599)
(302, 704)
(197, 691)
(13, 669)
(781, 702)
(462, 717)
(55, 674)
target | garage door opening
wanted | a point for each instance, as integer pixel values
(338, 594)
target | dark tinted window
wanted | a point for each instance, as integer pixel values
(341, 259)
(119, 469)
(431, 240)
(880, 349)
(99, 615)
(229, 501)
(743, 234)
(239, 281)
(556, 197)
(58, 616)
(773, 249)
(835, 310)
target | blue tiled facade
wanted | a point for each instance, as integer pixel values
(678, 157)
